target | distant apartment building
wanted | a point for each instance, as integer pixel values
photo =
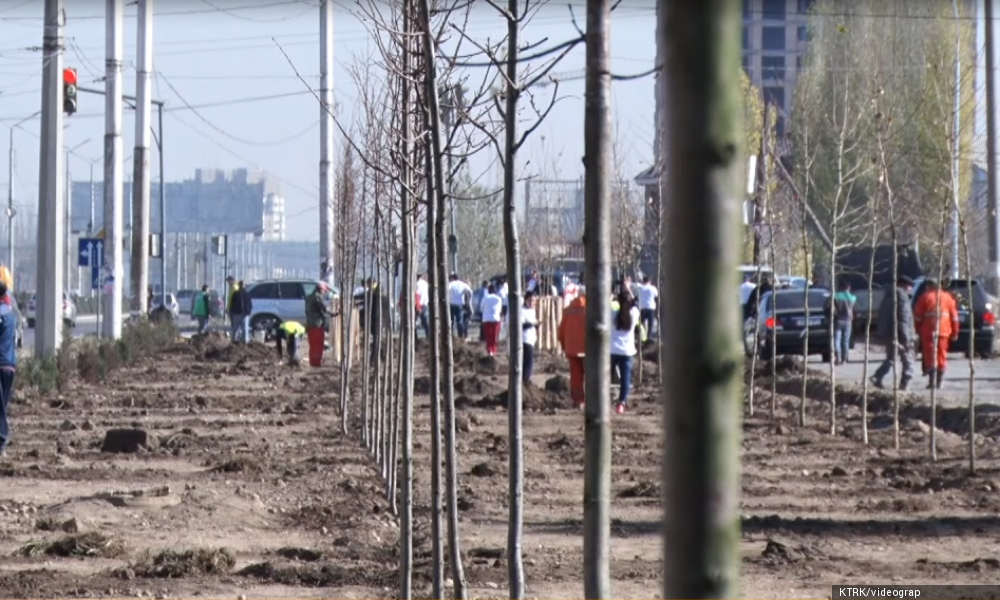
(274, 218)
(775, 36)
(213, 201)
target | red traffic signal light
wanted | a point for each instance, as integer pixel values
(69, 91)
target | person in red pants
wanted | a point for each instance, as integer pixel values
(491, 308)
(317, 322)
(573, 340)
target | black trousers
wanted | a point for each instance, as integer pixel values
(293, 345)
(528, 364)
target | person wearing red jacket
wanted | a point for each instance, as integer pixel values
(572, 336)
(935, 312)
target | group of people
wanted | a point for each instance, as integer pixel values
(626, 321)
(933, 320)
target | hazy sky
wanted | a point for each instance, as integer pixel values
(218, 55)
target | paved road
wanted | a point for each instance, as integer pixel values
(86, 326)
(954, 391)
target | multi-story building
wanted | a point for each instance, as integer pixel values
(775, 35)
(213, 201)
(274, 218)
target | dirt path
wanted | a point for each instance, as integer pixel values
(246, 487)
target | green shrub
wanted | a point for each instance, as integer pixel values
(41, 374)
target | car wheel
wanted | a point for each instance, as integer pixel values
(31, 323)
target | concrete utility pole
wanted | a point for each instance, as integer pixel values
(67, 218)
(957, 135)
(49, 265)
(140, 158)
(326, 133)
(992, 146)
(113, 205)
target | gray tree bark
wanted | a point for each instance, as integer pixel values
(515, 305)
(435, 174)
(408, 321)
(702, 387)
(597, 248)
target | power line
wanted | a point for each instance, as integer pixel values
(223, 132)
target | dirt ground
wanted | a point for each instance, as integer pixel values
(241, 485)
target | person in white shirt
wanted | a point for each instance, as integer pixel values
(529, 324)
(648, 297)
(491, 307)
(533, 284)
(422, 298)
(624, 322)
(459, 296)
(746, 288)
(503, 293)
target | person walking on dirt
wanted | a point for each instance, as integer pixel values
(8, 364)
(200, 309)
(422, 298)
(842, 305)
(895, 309)
(317, 322)
(572, 336)
(935, 315)
(477, 302)
(648, 297)
(239, 313)
(230, 292)
(490, 308)
(529, 324)
(290, 332)
(373, 313)
(624, 321)
(459, 295)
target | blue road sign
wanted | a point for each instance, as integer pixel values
(85, 248)
(95, 258)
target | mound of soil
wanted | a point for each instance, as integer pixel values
(238, 352)
(172, 565)
(533, 399)
(317, 575)
(84, 545)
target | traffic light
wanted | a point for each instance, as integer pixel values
(69, 91)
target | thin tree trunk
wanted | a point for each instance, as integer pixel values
(515, 337)
(868, 326)
(408, 318)
(701, 399)
(436, 169)
(597, 245)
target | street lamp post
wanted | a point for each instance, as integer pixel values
(10, 196)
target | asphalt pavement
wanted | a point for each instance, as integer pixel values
(955, 389)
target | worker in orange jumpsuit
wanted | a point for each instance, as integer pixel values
(935, 310)
(573, 340)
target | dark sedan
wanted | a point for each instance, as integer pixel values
(982, 319)
(782, 323)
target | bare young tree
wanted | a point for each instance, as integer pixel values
(701, 470)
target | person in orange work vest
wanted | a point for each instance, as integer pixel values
(573, 340)
(935, 310)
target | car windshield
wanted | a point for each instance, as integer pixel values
(960, 289)
(752, 274)
(796, 300)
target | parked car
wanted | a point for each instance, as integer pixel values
(782, 322)
(280, 300)
(68, 310)
(982, 318)
(186, 299)
(169, 302)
